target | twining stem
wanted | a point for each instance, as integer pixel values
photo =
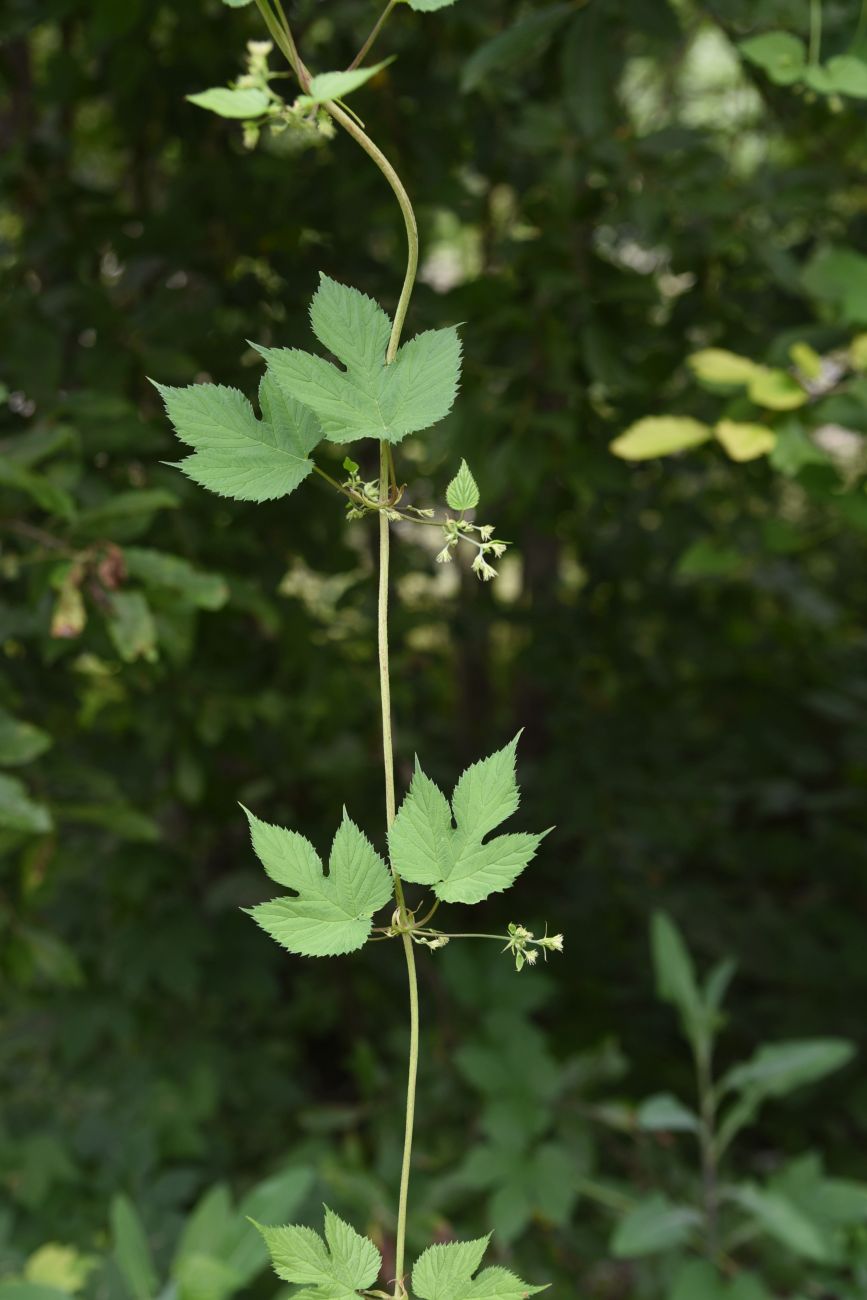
(281, 33)
(390, 808)
(368, 44)
(376, 154)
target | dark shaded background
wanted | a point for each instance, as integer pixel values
(603, 204)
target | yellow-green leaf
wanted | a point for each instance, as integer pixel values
(745, 441)
(659, 435)
(858, 352)
(776, 389)
(716, 366)
(807, 360)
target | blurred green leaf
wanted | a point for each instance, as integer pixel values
(778, 1068)
(780, 54)
(653, 1226)
(132, 1254)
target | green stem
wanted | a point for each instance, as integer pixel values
(862, 25)
(707, 1144)
(284, 42)
(815, 30)
(282, 36)
(368, 44)
(409, 220)
(390, 809)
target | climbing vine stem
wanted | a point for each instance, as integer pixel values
(281, 33)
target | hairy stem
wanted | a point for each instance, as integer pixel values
(368, 44)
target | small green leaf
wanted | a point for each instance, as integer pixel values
(330, 914)
(350, 325)
(132, 1253)
(858, 352)
(48, 496)
(807, 360)
(239, 104)
(163, 571)
(234, 454)
(368, 399)
(782, 1219)
(675, 973)
(776, 389)
(463, 493)
(794, 448)
(18, 812)
(206, 1228)
(707, 558)
(818, 79)
(780, 54)
(442, 1270)
(848, 75)
(778, 1068)
(337, 85)
(698, 1280)
(237, 4)
(446, 1273)
(428, 6)
(277, 1197)
(205, 1277)
(743, 442)
(457, 861)
(664, 1113)
(131, 626)
(342, 1265)
(20, 742)
(659, 435)
(721, 369)
(654, 1225)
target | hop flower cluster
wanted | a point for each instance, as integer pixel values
(457, 530)
(525, 947)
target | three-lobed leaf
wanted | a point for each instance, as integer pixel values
(433, 843)
(336, 1268)
(234, 453)
(446, 1273)
(328, 915)
(367, 398)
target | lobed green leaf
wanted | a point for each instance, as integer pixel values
(330, 915)
(455, 860)
(367, 399)
(235, 454)
(446, 1273)
(337, 1268)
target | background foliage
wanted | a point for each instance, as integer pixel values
(603, 189)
